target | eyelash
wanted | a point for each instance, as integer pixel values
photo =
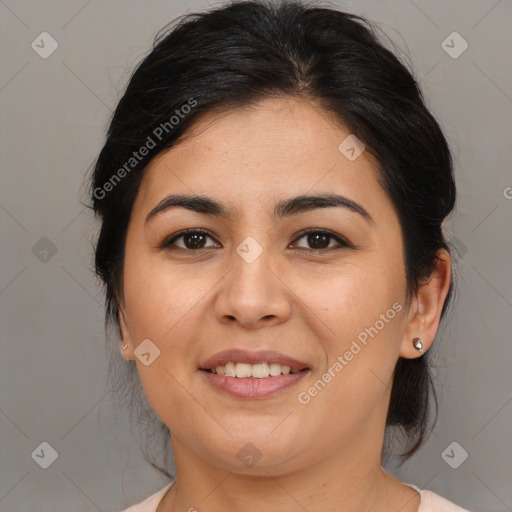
(166, 244)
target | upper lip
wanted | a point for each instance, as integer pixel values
(244, 356)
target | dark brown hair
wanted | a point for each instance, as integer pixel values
(245, 51)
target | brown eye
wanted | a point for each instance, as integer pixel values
(320, 240)
(193, 239)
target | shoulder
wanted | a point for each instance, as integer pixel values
(151, 503)
(432, 502)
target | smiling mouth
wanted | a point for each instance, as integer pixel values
(239, 381)
(255, 371)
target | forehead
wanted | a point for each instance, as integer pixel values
(251, 155)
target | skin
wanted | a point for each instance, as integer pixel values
(321, 456)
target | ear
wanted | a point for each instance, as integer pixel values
(125, 335)
(425, 309)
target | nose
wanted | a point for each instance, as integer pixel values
(252, 294)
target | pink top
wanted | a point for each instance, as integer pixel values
(430, 502)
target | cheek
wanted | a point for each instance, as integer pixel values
(361, 350)
(157, 294)
(360, 334)
(162, 305)
(165, 304)
(351, 298)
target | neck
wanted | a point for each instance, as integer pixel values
(339, 483)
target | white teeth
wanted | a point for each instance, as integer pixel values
(257, 371)
(243, 370)
(275, 369)
(260, 371)
(229, 370)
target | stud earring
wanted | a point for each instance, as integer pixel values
(418, 345)
(125, 347)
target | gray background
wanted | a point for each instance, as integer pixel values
(53, 361)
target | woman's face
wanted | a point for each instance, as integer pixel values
(255, 283)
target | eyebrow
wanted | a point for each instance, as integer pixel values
(285, 208)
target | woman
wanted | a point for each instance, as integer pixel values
(272, 193)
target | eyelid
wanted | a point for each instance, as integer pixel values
(342, 241)
(169, 241)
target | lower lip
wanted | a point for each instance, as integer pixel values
(252, 387)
